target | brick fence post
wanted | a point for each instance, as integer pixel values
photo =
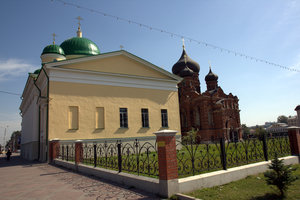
(78, 151)
(53, 153)
(167, 163)
(294, 137)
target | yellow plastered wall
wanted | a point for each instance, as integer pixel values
(89, 97)
(121, 65)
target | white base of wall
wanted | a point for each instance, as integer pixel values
(226, 176)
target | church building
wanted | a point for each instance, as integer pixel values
(213, 114)
(82, 94)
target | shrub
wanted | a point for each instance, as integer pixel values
(280, 175)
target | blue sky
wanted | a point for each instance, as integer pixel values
(263, 29)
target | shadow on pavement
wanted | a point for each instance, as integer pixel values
(16, 160)
(68, 176)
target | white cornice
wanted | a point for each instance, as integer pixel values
(112, 79)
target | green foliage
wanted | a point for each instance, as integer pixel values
(280, 175)
(246, 131)
(260, 132)
(282, 119)
(191, 137)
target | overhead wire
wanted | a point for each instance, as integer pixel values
(11, 93)
(205, 44)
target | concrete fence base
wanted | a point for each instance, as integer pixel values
(171, 187)
(221, 177)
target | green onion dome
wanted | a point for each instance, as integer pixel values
(37, 71)
(53, 49)
(79, 46)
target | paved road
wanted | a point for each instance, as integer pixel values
(20, 179)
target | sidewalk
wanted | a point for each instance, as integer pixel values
(22, 179)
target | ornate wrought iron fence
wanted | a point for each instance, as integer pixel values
(135, 157)
(66, 151)
(195, 156)
(140, 158)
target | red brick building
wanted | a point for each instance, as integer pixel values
(213, 113)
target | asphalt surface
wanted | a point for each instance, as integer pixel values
(21, 179)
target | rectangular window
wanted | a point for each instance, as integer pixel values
(73, 117)
(145, 118)
(164, 118)
(99, 117)
(123, 118)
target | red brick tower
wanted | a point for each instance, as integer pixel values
(213, 113)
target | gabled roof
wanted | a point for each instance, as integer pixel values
(110, 54)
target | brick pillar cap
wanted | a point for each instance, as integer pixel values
(78, 141)
(55, 140)
(293, 127)
(165, 133)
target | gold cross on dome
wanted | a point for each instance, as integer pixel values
(54, 35)
(182, 43)
(79, 18)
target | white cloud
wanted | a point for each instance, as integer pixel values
(12, 68)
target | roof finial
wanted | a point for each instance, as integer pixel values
(79, 33)
(121, 47)
(183, 43)
(53, 34)
(209, 65)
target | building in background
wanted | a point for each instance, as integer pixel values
(297, 109)
(80, 93)
(293, 121)
(212, 113)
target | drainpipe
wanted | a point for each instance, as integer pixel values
(39, 143)
(47, 118)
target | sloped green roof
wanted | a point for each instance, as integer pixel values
(53, 48)
(79, 46)
(37, 71)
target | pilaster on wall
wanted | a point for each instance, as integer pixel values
(294, 137)
(167, 162)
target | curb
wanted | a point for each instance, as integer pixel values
(185, 197)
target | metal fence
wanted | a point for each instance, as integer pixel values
(135, 157)
(195, 157)
(66, 151)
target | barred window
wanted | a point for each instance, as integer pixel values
(145, 118)
(123, 118)
(164, 118)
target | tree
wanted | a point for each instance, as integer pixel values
(280, 175)
(260, 132)
(282, 119)
(246, 131)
